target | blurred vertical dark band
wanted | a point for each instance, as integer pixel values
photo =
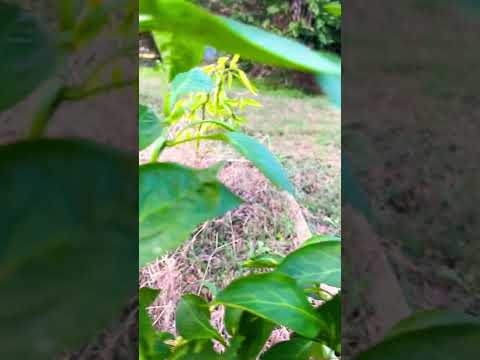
(69, 179)
(410, 128)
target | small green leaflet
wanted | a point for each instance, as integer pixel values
(263, 261)
(150, 126)
(189, 82)
(179, 53)
(260, 156)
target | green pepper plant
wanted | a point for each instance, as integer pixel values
(175, 199)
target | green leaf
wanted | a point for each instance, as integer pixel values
(457, 338)
(174, 200)
(331, 313)
(334, 8)
(246, 82)
(150, 126)
(320, 238)
(179, 53)
(260, 156)
(151, 342)
(96, 18)
(431, 318)
(197, 25)
(352, 191)
(69, 210)
(28, 56)
(195, 350)
(253, 332)
(274, 297)
(263, 261)
(193, 319)
(318, 263)
(189, 82)
(232, 319)
(294, 349)
(332, 87)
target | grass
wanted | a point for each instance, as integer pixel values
(304, 132)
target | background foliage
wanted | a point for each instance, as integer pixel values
(307, 21)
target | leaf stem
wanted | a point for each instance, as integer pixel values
(76, 93)
(48, 106)
(218, 136)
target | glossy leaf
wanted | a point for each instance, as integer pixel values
(331, 313)
(196, 24)
(232, 319)
(260, 156)
(69, 211)
(274, 297)
(28, 56)
(294, 349)
(431, 318)
(189, 82)
(457, 341)
(150, 126)
(252, 333)
(320, 238)
(263, 261)
(173, 201)
(318, 263)
(179, 53)
(193, 319)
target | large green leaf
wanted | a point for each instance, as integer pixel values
(189, 82)
(179, 53)
(150, 126)
(194, 23)
(274, 297)
(315, 239)
(260, 156)
(193, 319)
(68, 240)
(431, 318)
(173, 201)
(27, 55)
(454, 339)
(318, 263)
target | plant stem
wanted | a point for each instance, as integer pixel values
(49, 104)
(218, 136)
(74, 93)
